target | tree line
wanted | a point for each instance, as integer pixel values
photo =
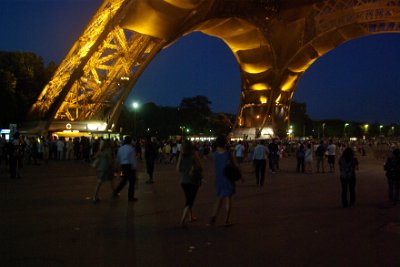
(23, 76)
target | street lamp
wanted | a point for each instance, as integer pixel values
(135, 106)
(365, 130)
(380, 130)
(344, 129)
(182, 128)
(290, 131)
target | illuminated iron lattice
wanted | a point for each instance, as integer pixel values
(274, 42)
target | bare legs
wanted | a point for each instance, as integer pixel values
(217, 207)
(97, 189)
(187, 211)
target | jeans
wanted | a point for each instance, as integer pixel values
(128, 174)
(300, 164)
(320, 163)
(260, 166)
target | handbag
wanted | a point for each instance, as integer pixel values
(232, 172)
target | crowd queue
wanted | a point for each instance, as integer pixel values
(114, 157)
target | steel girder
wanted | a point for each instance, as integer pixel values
(273, 41)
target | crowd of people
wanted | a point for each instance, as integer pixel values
(113, 157)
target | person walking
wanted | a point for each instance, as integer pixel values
(104, 164)
(331, 152)
(126, 161)
(348, 164)
(308, 158)
(260, 162)
(190, 169)
(239, 152)
(225, 189)
(300, 153)
(392, 169)
(60, 149)
(15, 150)
(174, 153)
(150, 155)
(320, 155)
(273, 156)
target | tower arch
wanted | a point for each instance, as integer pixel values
(274, 43)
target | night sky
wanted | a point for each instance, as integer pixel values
(358, 81)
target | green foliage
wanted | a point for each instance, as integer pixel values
(193, 114)
(301, 122)
(22, 77)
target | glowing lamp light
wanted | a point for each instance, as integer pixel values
(259, 86)
(289, 83)
(263, 99)
(97, 126)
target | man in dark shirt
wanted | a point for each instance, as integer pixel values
(273, 155)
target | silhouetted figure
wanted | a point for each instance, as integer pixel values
(348, 164)
(392, 169)
(150, 155)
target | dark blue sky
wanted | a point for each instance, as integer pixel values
(357, 81)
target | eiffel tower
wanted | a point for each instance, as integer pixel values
(274, 42)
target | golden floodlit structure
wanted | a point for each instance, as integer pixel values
(273, 41)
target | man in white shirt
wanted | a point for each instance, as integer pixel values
(331, 152)
(60, 148)
(260, 162)
(126, 161)
(239, 152)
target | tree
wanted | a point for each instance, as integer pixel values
(8, 98)
(221, 123)
(23, 76)
(301, 122)
(195, 113)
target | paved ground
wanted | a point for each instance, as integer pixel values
(47, 219)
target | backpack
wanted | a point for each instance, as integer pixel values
(392, 168)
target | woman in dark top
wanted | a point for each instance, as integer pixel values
(189, 167)
(150, 155)
(348, 163)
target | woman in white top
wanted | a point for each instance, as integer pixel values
(308, 158)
